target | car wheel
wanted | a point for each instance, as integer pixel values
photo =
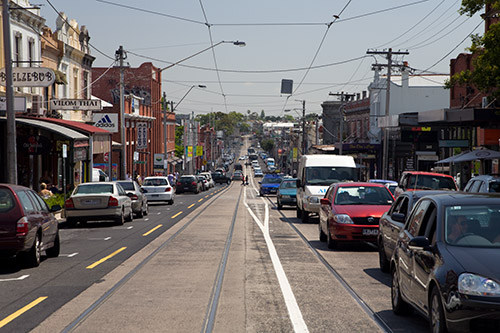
(130, 216)
(436, 313)
(171, 202)
(299, 212)
(332, 243)
(71, 222)
(305, 216)
(35, 253)
(399, 306)
(322, 235)
(53, 252)
(280, 206)
(146, 211)
(382, 259)
(121, 219)
(141, 212)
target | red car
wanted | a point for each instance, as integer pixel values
(350, 212)
(421, 180)
(27, 226)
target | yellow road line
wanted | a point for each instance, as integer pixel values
(200, 200)
(150, 231)
(179, 213)
(191, 206)
(106, 258)
(21, 311)
(206, 196)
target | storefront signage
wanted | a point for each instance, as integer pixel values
(107, 121)
(35, 145)
(158, 161)
(453, 143)
(19, 104)
(76, 104)
(199, 150)
(29, 77)
(142, 136)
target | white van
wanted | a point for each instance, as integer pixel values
(316, 173)
(99, 176)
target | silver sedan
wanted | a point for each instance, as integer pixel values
(98, 201)
(139, 200)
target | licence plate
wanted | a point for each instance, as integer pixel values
(91, 202)
(370, 232)
(186, 188)
(155, 195)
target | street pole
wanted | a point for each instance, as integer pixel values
(9, 88)
(304, 136)
(343, 99)
(120, 54)
(165, 153)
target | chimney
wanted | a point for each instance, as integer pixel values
(357, 96)
(364, 94)
(404, 75)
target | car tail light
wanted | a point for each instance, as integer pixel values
(112, 202)
(69, 204)
(194, 183)
(22, 227)
(134, 197)
(179, 183)
(168, 189)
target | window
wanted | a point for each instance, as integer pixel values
(417, 217)
(36, 203)
(17, 50)
(31, 52)
(25, 202)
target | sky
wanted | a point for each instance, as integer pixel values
(319, 44)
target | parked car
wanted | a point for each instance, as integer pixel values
(421, 180)
(98, 202)
(269, 184)
(208, 176)
(390, 184)
(139, 199)
(350, 212)
(392, 222)
(257, 172)
(221, 178)
(445, 264)
(287, 193)
(27, 225)
(99, 176)
(158, 188)
(189, 183)
(237, 175)
(204, 182)
(483, 184)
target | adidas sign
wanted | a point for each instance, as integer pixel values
(106, 121)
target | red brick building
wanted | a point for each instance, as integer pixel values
(143, 112)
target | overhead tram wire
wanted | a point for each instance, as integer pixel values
(66, 21)
(421, 44)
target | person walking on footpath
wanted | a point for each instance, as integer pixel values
(243, 180)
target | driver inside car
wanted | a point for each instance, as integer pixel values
(457, 227)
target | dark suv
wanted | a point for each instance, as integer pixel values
(27, 225)
(189, 183)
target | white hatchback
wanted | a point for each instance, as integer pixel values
(158, 189)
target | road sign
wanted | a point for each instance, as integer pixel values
(29, 76)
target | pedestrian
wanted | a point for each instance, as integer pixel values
(243, 180)
(170, 178)
(44, 192)
(246, 180)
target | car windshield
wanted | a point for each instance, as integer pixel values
(472, 225)
(6, 200)
(128, 186)
(155, 182)
(271, 180)
(362, 195)
(94, 189)
(288, 184)
(327, 175)
(431, 182)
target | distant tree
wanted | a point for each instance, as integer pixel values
(267, 145)
(486, 53)
(262, 115)
(179, 141)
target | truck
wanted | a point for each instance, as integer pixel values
(315, 174)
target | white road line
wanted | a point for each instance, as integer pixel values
(131, 227)
(146, 219)
(69, 255)
(107, 238)
(15, 279)
(294, 312)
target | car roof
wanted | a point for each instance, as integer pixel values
(382, 181)
(353, 184)
(156, 177)
(485, 177)
(463, 198)
(427, 173)
(424, 193)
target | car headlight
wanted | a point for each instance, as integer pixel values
(313, 200)
(471, 284)
(343, 218)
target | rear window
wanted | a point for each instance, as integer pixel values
(127, 186)
(155, 182)
(94, 189)
(430, 182)
(185, 179)
(7, 200)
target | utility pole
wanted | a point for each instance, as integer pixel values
(165, 153)
(121, 55)
(304, 135)
(389, 53)
(343, 99)
(9, 87)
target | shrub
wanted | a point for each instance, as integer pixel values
(56, 199)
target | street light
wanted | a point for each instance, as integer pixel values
(199, 86)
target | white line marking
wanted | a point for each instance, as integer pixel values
(131, 227)
(69, 255)
(107, 238)
(146, 219)
(294, 312)
(159, 213)
(15, 279)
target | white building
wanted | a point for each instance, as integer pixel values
(408, 93)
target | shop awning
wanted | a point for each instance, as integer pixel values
(63, 131)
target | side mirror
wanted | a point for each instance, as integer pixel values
(299, 183)
(398, 217)
(419, 243)
(324, 201)
(401, 187)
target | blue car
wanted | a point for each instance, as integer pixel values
(269, 184)
(287, 193)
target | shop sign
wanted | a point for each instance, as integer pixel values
(107, 121)
(19, 104)
(199, 150)
(76, 104)
(142, 136)
(453, 143)
(35, 145)
(158, 161)
(80, 154)
(29, 77)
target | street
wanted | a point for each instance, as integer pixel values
(230, 261)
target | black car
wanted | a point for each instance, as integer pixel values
(189, 183)
(446, 262)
